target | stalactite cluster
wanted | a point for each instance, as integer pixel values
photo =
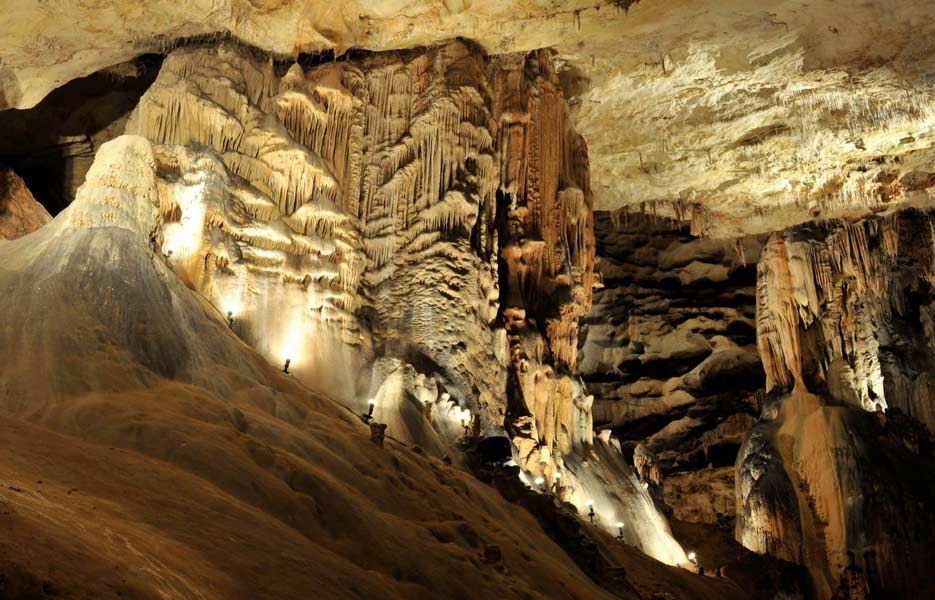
(432, 208)
(845, 310)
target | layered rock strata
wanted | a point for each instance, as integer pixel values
(668, 351)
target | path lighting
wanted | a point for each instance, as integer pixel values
(466, 420)
(370, 406)
(591, 513)
(620, 530)
(285, 368)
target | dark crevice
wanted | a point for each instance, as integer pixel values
(52, 145)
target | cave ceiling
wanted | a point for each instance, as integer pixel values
(743, 116)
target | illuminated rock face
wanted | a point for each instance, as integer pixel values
(315, 178)
(845, 309)
(844, 321)
(414, 229)
(144, 439)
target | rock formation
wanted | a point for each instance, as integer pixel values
(844, 334)
(19, 212)
(53, 145)
(668, 351)
(153, 454)
(414, 229)
(281, 227)
(754, 115)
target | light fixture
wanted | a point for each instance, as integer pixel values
(230, 319)
(693, 558)
(591, 513)
(466, 420)
(557, 484)
(285, 368)
(370, 406)
(539, 480)
(620, 530)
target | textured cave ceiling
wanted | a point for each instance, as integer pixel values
(747, 116)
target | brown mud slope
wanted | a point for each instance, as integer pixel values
(146, 452)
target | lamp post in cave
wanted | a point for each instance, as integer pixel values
(620, 530)
(591, 513)
(466, 422)
(557, 483)
(368, 416)
(285, 368)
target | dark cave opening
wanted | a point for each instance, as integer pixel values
(52, 145)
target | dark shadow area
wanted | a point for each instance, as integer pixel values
(52, 145)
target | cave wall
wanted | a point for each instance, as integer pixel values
(828, 478)
(367, 191)
(52, 145)
(668, 351)
(414, 228)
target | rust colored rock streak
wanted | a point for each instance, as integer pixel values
(19, 212)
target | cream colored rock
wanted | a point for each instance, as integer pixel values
(342, 218)
(47, 45)
(751, 116)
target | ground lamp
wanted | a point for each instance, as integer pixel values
(466, 420)
(370, 405)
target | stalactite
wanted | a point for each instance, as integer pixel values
(826, 290)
